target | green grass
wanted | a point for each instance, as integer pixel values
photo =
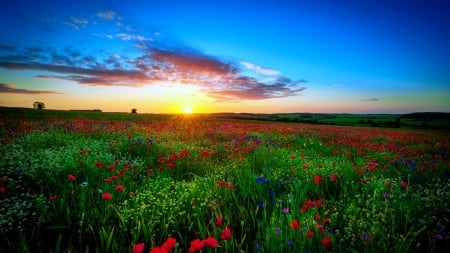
(363, 189)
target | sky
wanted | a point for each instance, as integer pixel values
(167, 56)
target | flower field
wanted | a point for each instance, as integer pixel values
(188, 184)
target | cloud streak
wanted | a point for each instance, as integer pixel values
(370, 100)
(155, 63)
(8, 88)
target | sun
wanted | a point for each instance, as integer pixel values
(187, 109)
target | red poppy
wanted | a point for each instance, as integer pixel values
(219, 221)
(106, 196)
(71, 177)
(404, 184)
(111, 167)
(310, 234)
(169, 244)
(317, 179)
(158, 250)
(2, 189)
(388, 185)
(196, 245)
(326, 242)
(211, 242)
(226, 234)
(53, 197)
(295, 225)
(98, 164)
(120, 187)
(3, 180)
(138, 248)
(333, 177)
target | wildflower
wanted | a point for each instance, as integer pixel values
(386, 195)
(53, 197)
(196, 245)
(294, 224)
(260, 205)
(326, 242)
(286, 210)
(84, 184)
(98, 164)
(317, 179)
(3, 180)
(106, 196)
(404, 184)
(169, 244)
(111, 167)
(388, 185)
(226, 234)
(120, 187)
(158, 250)
(219, 221)
(262, 180)
(138, 248)
(84, 152)
(2, 189)
(211, 242)
(71, 177)
(291, 243)
(310, 234)
(333, 177)
(277, 231)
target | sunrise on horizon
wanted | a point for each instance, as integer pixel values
(227, 56)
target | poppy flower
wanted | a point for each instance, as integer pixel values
(226, 234)
(120, 187)
(404, 184)
(71, 177)
(2, 189)
(106, 196)
(219, 221)
(169, 244)
(196, 245)
(98, 164)
(295, 225)
(317, 179)
(211, 242)
(310, 234)
(138, 248)
(111, 167)
(326, 242)
(158, 250)
(53, 197)
(333, 177)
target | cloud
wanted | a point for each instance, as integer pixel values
(110, 15)
(260, 70)
(220, 79)
(370, 100)
(8, 88)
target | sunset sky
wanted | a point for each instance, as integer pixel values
(160, 56)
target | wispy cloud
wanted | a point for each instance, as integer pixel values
(370, 100)
(260, 70)
(8, 88)
(107, 15)
(155, 63)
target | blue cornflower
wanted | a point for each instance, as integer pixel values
(262, 180)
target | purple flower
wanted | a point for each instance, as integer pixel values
(387, 195)
(291, 243)
(277, 231)
(286, 210)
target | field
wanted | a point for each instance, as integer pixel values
(96, 182)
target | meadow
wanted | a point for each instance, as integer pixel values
(96, 183)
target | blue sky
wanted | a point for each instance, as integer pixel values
(235, 56)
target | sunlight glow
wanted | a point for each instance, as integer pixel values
(187, 109)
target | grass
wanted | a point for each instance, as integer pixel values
(94, 182)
